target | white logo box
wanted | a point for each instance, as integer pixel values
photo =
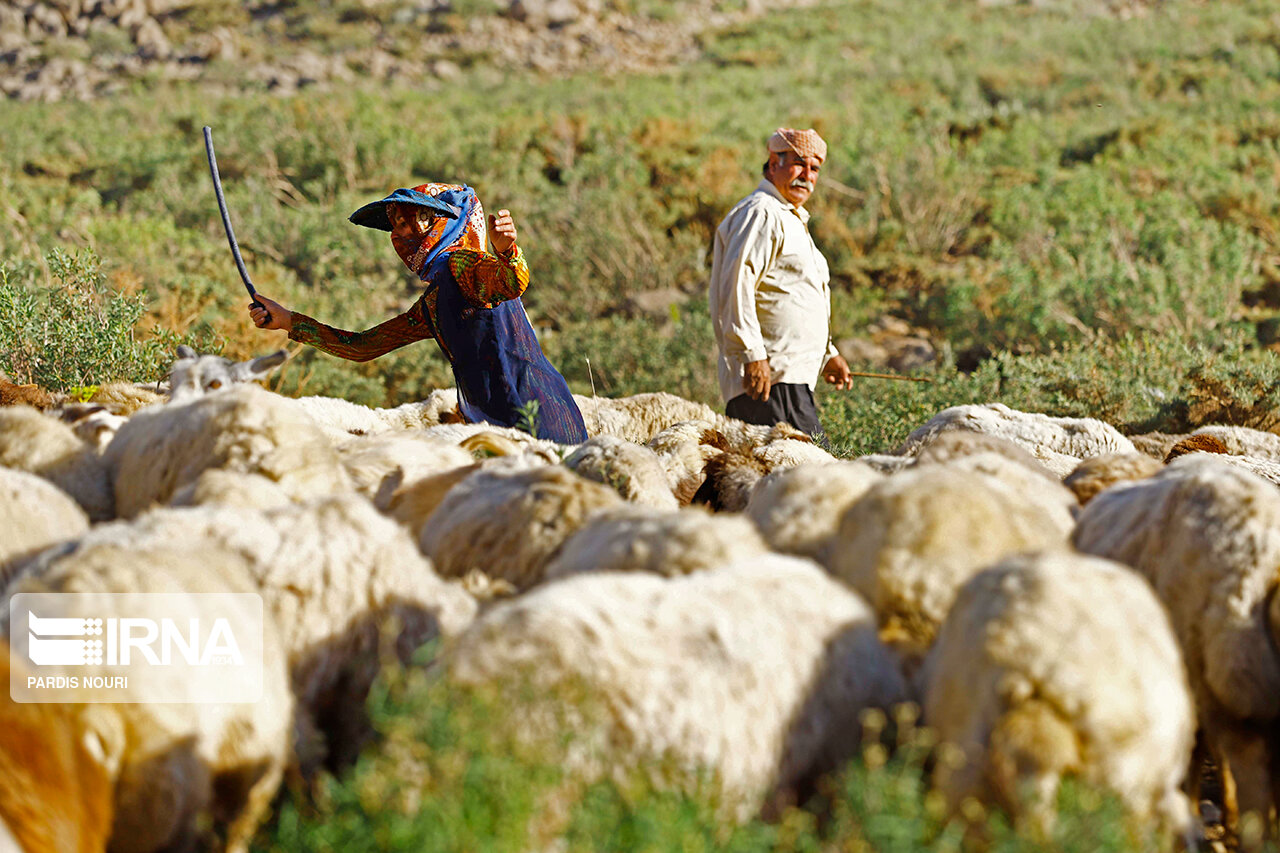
(135, 647)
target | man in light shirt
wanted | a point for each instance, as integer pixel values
(769, 295)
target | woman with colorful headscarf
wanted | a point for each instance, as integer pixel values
(471, 306)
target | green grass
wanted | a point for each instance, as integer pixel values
(459, 770)
(1012, 180)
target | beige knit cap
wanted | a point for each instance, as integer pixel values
(806, 143)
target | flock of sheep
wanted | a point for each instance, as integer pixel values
(1055, 597)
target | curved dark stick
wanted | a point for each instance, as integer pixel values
(226, 221)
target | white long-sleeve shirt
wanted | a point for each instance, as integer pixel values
(769, 293)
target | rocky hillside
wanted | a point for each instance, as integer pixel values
(92, 48)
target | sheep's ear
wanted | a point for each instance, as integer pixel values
(185, 351)
(259, 367)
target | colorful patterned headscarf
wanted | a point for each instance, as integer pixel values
(468, 231)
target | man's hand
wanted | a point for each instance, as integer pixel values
(755, 378)
(837, 372)
(276, 316)
(502, 231)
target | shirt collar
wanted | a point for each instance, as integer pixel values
(767, 186)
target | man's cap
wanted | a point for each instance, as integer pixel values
(806, 143)
(374, 214)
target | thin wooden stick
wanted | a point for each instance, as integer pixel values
(891, 376)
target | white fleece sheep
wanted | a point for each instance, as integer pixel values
(632, 470)
(798, 510)
(755, 671)
(91, 422)
(914, 538)
(43, 445)
(332, 574)
(509, 523)
(125, 398)
(175, 764)
(643, 539)
(243, 428)
(340, 419)
(1207, 536)
(1060, 443)
(381, 463)
(1243, 441)
(1060, 664)
(954, 444)
(639, 417)
(684, 450)
(790, 452)
(34, 514)
(1034, 482)
(220, 487)
(1101, 472)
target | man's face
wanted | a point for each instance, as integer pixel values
(793, 175)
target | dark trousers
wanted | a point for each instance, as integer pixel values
(789, 402)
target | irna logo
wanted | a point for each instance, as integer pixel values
(136, 647)
(62, 641)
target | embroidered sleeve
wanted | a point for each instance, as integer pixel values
(487, 280)
(404, 329)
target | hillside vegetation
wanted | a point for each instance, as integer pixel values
(1081, 210)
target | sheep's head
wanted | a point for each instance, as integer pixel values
(194, 375)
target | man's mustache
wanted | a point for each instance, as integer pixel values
(801, 183)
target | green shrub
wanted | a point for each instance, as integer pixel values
(77, 331)
(458, 770)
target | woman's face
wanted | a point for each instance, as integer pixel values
(413, 226)
(409, 220)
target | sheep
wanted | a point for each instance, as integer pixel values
(332, 574)
(1060, 443)
(886, 463)
(1034, 483)
(381, 463)
(55, 792)
(1195, 444)
(459, 433)
(39, 444)
(910, 542)
(632, 470)
(1155, 444)
(950, 445)
(1055, 664)
(91, 422)
(684, 450)
(1243, 441)
(341, 419)
(34, 514)
(728, 479)
(1237, 446)
(509, 524)
(640, 417)
(755, 671)
(126, 398)
(1207, 536)
(1103, 471)
(175, 762)
(193, 375)
(790, 452)
(217, 486)
(639, 538)
(798, 510)
(242, 428)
